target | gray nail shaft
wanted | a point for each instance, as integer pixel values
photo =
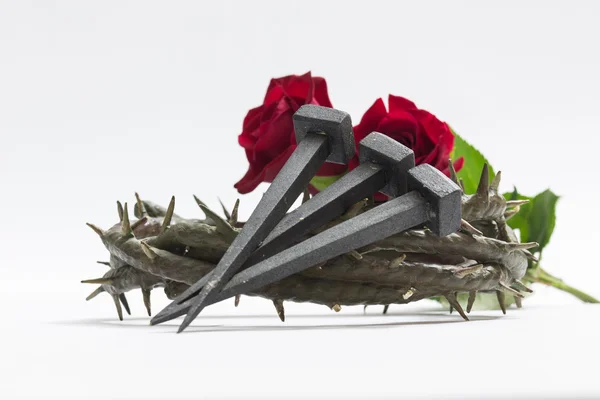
(394, 216)
(297, 172)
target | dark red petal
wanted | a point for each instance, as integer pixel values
(398, 103)
(370, 120)
(252, 179)
(330, 169)
(320, 95)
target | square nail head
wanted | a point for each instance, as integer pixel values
(336, 124)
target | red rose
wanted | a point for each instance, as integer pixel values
(430, 139)
(268, 131)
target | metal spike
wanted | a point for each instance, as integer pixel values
(466, 226)
(237, 300)
(305, 195)
(118, 306)
(99, 231)
(518, 302)
(140, 212)
(120, 210)
(125, 224)
(483, 189)
(510, 290)
(168, 215)
(225, 211)
(104, 263)
(148, 251)
(221, 225)
(385, 309)
(521, 286)
(516, 203)
(139, 222)
(125, 303)
(280, 311)
(99, 281)
(146, 296)
(464, 271)
(451, 297)
(95, 293)
(471, 301)
(233, 220)
(501, 298)
(495, 185)
(453, 175)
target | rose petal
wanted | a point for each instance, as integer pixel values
(398, 103)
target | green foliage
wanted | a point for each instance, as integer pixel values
(474, 161)
(321, 182)
(536, 220)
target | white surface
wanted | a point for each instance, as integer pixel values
(101, 99)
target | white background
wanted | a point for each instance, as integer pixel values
(101, 99)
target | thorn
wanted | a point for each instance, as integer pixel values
(280, 311)
(139, 222)
(146, 296)
(518, 302)
(237, 300)
(462, 185)
(168, 215)
(501, 297)
(125, 225)
(472, 297)
(521, 286)
(233, 220)
(104, 263)
(464, 271)
(336, 308)
(225, 211)
(466, 226)
(521, 246)
(120, 210)
(125, 303)
(453, 175)
(483, 189)
(385, 309)
(451, 297)
(118, 306)
(495, 185)
(355, 254)
(99, 281)
(516, 203)
(95, 293)
(451, 308)
(99, 231)
(510, 290)
(141, 209)
(305, 195)
(148, 251)
(508, 214)
(396, 262)
(530, 256)
(221, 225)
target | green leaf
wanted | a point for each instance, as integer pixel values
(321, 182)
(474, 161)
(536, 220)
